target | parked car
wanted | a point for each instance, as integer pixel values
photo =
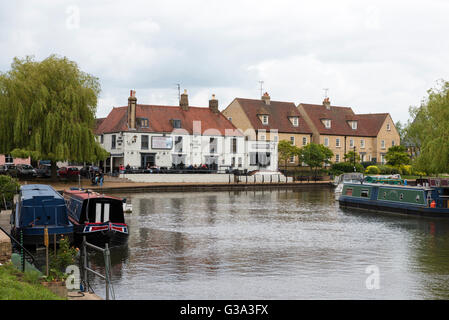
(67, 172)
(2, 169)
(11, 170)
(26, 171)
(44, 171)
(89, 171)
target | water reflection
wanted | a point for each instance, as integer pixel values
(279, 244)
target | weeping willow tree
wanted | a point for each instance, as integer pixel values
(429, 130)
(47, 111)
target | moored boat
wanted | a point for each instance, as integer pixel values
(431, 200)
(40, 207)
(98, 217)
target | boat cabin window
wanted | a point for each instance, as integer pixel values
(349, 191)
(417, 198)
(364, 193)
(385, 194)
(104, 210)
(401, 196)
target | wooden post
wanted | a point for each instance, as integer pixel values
(46, 248)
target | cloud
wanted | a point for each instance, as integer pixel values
(375, 57)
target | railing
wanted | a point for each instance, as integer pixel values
(23, 250)
(107, 267)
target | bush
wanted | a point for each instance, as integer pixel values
(366, 164)
(8, 188)
(372, 170)
(406, 170)
(342, 167)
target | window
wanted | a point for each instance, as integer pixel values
(327, 123)
(275, 138)
(234, 145)
(337, 142)
(101, 139)
(292, 140)
(292, 159)
(9, 159)
(401, 196)
(262, 138)
(382, 144)
(362, 143)
(178, 144)
(326, 142)
(392, 143)
(265, 119)
(295, 121)
(337, 158)
(364, 193)
(230, 119)
(144, 142)
(304, 141)
(240, 162)
(113, 141)
(351, 143)
(354, 125)
(348, 192)
(176, 123)
(388, 127)
(144, 123)
(213, 142)
(382, 158)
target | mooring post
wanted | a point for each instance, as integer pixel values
(106, 268)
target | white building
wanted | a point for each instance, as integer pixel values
(167, 136)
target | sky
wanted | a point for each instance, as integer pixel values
(373, 56)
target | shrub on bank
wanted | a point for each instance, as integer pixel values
(343, 167)
(372, 170)
(8, 187)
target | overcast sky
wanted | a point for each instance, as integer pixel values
(373, 56)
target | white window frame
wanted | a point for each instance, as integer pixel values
(354, 125)
(264, 119)
(362, 143)
(295, 121)
(326, 142)
(337, 143)
(327, 123)
(351, 143)
(292, 140)
(382, 144)
(304, 141)
(388, 127)
(337, 158)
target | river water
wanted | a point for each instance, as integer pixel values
(282, 244)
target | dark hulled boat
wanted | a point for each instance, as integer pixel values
(38, 207)
(98, 217)
(430, 200)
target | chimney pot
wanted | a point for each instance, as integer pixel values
(266, 98)
(132, 103)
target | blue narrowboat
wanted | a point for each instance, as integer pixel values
(38, 207)
(430, 199)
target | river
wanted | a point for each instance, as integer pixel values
(281, 244)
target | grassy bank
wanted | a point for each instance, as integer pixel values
(15, 285)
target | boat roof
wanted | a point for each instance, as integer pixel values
(389, 185)
(31, 191)
(87, 194)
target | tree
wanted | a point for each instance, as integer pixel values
(397, 156)
(286, 150)
(428, 132)
(315, 156)
(351, 155)
(47, 111)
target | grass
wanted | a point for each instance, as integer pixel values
(15, 285)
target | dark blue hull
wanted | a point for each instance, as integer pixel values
(34, 236)
(392, 207)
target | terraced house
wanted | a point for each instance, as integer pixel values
(269, 121)
(340, 129)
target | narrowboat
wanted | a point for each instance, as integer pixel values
(98, 217)
(38, 207)
(430, 200)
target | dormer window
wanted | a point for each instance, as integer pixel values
(294, 121)
(354, 125)
(264, 119)
(176, 123)
(143, 122)
(327, 123)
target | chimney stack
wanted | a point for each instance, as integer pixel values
(266, 98)
(327, 103)
(184, 102)
(213, 104)
(132, 102)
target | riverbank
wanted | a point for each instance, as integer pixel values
(116, 186)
